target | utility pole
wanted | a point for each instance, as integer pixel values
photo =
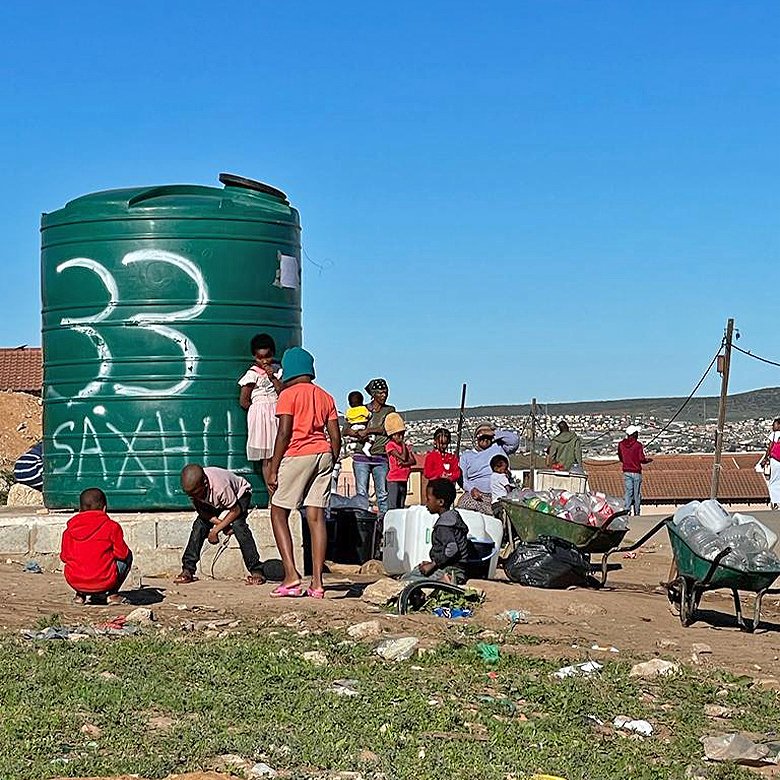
(724, 365)
(532, 470)
(460, 419)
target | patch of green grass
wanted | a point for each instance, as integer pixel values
(254, 695)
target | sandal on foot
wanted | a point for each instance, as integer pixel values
(79, 600)
(255, 579)
(115, 599)
(184, 578)
(315, 593)
(288, 591)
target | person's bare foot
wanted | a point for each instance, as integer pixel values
(184, 578)
(115, 599)
(79, 600)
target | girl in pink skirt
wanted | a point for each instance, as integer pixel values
(260, 388)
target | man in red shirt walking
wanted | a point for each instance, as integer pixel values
(631, 454)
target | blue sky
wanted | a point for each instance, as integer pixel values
(555, 199)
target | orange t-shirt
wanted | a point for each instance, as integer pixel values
(311, 408)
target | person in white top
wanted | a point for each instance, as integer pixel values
(260, 388)
(772, 459)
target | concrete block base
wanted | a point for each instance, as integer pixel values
(157, 540)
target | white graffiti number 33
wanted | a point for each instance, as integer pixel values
(159, 323)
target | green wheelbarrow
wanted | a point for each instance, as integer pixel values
(527, 525)
(696, 575)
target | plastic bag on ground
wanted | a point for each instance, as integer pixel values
(548, 563)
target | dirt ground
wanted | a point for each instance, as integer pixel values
(631, 613)
(18, 410)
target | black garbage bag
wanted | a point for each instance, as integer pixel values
(548, 563)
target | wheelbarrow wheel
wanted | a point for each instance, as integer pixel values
(687, 602)
(673, 594)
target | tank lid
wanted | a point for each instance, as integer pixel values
(241, 198)
(233, 180)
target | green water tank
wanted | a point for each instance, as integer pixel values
(150, 297)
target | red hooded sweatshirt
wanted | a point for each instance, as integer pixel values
(91, 544)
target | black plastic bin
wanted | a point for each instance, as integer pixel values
(352, 535)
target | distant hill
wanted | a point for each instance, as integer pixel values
(741, 406)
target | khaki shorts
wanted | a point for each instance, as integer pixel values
(304, 480)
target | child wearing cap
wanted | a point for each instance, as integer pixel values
(401, 459)
(302, 467)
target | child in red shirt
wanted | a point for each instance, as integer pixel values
(97, 560)
(401, 461)
(439, 463)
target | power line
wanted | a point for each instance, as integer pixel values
(755, 357)
(688, 399)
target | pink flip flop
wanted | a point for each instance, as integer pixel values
(288, 591)
(315, 593)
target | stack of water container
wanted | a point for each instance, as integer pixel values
(708, 529)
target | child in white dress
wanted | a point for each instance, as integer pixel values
(260, 388)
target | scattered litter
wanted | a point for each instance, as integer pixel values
(514, 616)
(610, 649)
(114, 628)
(141, 615)
(262, 770)
(488, 653)
(740, 749)
(655, 668)
(316, 657)
(587, 668)
(345, 688)
(367, 630)
(630, 556)
(397, 649)
(32, 567)
(641, 727)
(452, 612)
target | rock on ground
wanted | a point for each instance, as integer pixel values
(384, 591)
(397, 649)
(21, 495)
(370, 629)
(655, 668)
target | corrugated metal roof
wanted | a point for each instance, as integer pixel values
(678, 478)
(21, 369)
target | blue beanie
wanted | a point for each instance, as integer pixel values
(296, 362)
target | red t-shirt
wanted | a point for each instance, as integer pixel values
(92, 543)
(396, 473)
(311, 408)
(632, 455)
(438, 466)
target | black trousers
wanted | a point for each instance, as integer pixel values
(396, 494)
(201, 528)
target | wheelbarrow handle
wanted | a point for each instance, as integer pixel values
(713, 566)
(652, 532)
(607, 523)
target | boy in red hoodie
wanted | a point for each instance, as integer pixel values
(97, 560)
